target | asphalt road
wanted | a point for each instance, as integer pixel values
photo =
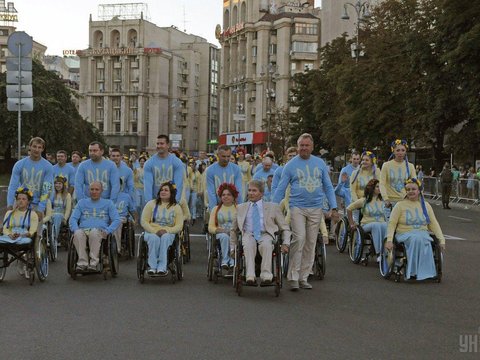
(352, 314)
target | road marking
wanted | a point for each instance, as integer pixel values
(459, 218)
(450, 237)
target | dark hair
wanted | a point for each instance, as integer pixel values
(62, 152)
(100, 145)
(369, 190)
(163, 136)
(117, 150)
(173, 193)
(232, 190)
(223, 148)
(76, 152)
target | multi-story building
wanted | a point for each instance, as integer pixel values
(8, 18)
(138, 80)
(264, 43)
(331, 14)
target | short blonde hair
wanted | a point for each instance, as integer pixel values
(305, 136)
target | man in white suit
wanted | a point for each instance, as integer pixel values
(259, 221)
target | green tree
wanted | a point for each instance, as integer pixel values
(54, 118)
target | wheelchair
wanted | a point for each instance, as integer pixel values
(33, 255)
(214, 268)
(174, 259)
(48, 234)
(128, 239)
(239, 273)
(108, 259)
(185, 242)
(394, 263)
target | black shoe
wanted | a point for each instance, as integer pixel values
(448, 207)
(266, 282)
(251, 282)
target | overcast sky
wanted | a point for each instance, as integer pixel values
(63, 24)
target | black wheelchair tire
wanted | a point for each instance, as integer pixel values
(341, 234)
(41, 257)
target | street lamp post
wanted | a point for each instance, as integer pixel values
(238, 88)
(269, 71)
(362, 10)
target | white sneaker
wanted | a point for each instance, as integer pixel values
(26, 272)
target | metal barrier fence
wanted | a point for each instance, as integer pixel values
(467, 190)
(462, 189)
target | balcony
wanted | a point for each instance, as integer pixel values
(117, 65)
(134, 64)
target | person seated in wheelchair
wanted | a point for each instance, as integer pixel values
(61, 204)
(162, 219)
(221, 220)
(126, 209)
(20, 223)
(92, 220)
(372, 208)
(258, 222)
(410, 222)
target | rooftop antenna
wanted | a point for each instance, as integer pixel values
(184, 19)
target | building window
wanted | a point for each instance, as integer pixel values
(100, 74)
(293, 66)
(100, 126)
(305, 47)
(254, 51)
(117, 127)
(272, 49)
(306, 29)
(308, 66)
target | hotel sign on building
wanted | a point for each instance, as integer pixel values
(111, 51)
(8, 13)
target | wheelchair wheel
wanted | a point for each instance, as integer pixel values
(341, 234)
(53, 246)
(113, 255)
(141, 259)
(179, 261)
(355, 248)
(387, 262)
(320, 259)
(284, 265)
(3, 268)
(238, 270)
(41, 257)
(65, 236)
(187, 243)
(277, 268)
(211, 256)
(72, 259)
(438, 258)
(31, 265)
(131, 241)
